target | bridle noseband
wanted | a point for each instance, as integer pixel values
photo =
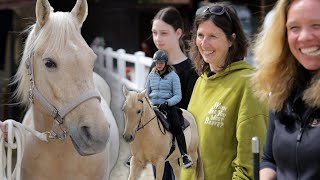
(58, 114)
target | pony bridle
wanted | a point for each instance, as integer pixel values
(58, 131)
(140, 125)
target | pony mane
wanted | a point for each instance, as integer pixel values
(52, 37)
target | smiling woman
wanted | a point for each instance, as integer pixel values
(227, 113)
(288, 59)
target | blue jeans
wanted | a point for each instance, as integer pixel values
(167, 173)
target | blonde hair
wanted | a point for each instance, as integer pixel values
(276, 66)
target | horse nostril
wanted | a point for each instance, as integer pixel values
(128, 138)
(86, 131)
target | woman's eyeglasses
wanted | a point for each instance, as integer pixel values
(215, 9)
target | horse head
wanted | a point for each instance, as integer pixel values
(133, 112)
(59, 75)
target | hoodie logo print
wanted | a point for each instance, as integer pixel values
(216, 115)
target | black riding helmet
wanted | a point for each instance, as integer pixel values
(160, 55)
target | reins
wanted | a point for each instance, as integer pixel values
(155, 116)
(16, 135)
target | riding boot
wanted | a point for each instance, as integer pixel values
(186, 159)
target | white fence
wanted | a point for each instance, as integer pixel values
(131, 69)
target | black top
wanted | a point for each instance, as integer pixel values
(292, 146)
(188, 78)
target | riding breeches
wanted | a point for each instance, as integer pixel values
(174, 120)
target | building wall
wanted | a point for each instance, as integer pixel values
(116, 21)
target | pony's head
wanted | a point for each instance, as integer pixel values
(62, 73)
(133, 111)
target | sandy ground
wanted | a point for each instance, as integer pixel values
(121, 172)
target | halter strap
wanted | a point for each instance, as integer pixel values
(57, 114)
(61, 113)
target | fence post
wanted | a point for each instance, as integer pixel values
(121, 63)
(100, 55)
(109, 60)
(140, 76)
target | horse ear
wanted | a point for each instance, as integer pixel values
(125, 90)
(80, 11)
(143, 93)
(43, 9)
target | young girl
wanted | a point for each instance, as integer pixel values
(167, 33)
(164, 90)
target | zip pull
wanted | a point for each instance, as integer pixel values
(300, 134)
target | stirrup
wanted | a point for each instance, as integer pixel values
(186, 161)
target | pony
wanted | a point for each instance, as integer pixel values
(55, 81)
(149, 141)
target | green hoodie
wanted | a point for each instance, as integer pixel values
(228, 115)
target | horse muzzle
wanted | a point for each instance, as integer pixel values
(128, 138)
(88, 142)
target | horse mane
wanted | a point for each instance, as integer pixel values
(51, 38)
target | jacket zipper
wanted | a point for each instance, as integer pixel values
(299, 137)
(304, 124)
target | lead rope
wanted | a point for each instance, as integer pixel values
(15, 140)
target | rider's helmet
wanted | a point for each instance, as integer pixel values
(160, 56)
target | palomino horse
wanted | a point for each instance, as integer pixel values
(149, 141)
(57, 69)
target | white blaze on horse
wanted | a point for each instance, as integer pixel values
(57, 67)
(148, 140)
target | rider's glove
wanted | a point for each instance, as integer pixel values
(164, 106)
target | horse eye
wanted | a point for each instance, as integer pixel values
(139, 111)
(49, 63)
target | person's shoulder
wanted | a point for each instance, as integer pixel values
(241, 68)
(186, 66)
(173, 74)
(185, 63)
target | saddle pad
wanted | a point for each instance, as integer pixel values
(166, 124)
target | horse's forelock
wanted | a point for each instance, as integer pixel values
(132, 99)
(60, 27)
(55, 34)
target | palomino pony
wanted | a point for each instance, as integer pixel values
(57, 69)
(149, 142)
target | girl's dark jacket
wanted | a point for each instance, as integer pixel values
(292, 147)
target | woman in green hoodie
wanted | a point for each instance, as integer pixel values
(227, 113)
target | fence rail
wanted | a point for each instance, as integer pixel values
(131, 69)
